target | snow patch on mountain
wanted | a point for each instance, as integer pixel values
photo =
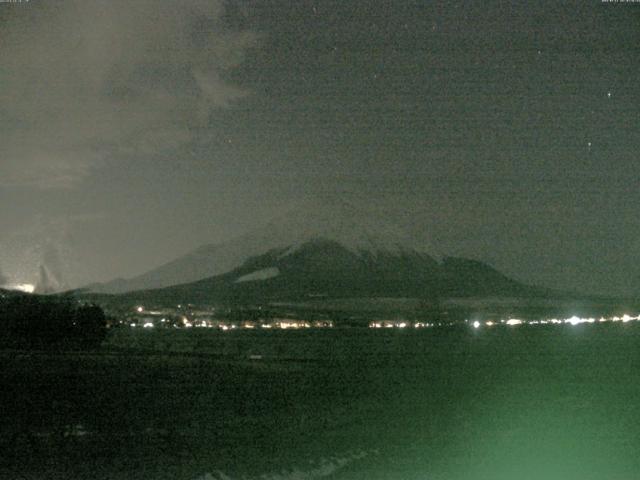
(263, 274)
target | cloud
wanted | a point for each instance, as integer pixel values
(83, 81)
(45, 242)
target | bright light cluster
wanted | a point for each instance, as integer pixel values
(401, 324)
(574, 320)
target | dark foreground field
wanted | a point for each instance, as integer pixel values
(524, 403)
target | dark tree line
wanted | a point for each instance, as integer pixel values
(32, 321)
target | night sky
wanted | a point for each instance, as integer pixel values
(134, 131)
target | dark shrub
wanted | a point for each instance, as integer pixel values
(32, 321)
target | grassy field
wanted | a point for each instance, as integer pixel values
(503, 403)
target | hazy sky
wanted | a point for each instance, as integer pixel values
(134, 131)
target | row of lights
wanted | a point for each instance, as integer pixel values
(394, 324)
(282, 325)
(510, 322)
(555, 321)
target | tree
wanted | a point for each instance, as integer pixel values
(35, 321)
(90, 325)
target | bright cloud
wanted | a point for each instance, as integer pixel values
(82, 81)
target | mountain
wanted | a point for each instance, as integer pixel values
(333, 251)
(320, 270)
(335, 257)
(357, 229)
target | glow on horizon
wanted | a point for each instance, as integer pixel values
(574, 320)
(21, 287)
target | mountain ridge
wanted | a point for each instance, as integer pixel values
(324, 269)
(355, 228)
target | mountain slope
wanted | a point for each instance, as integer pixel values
(332, 251)
(358, 230)
(323, 269)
